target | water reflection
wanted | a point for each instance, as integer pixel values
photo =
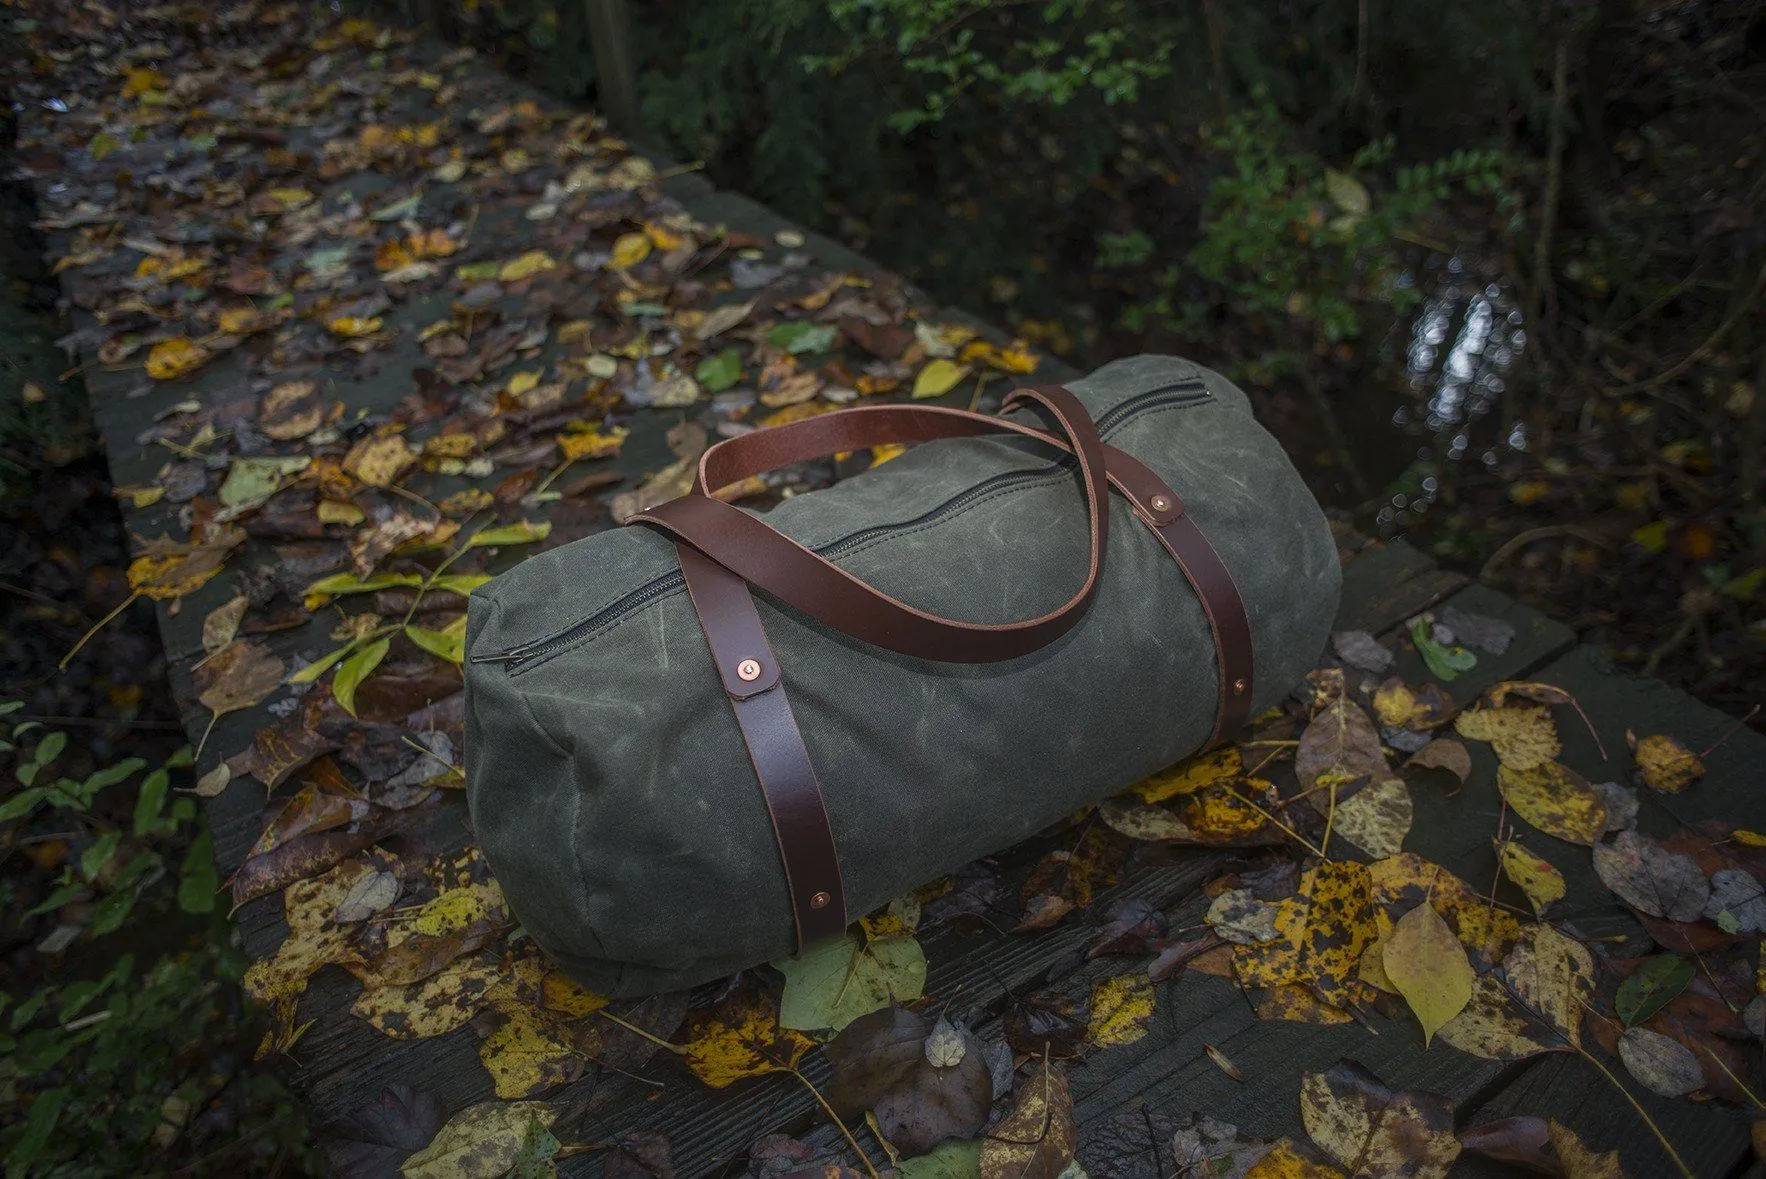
(1461, 347)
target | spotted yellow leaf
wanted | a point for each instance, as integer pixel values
(1187, 777)
(741, 1038)
(629, 250)
(526, 266)
(1120, 1009)
(1323, 930)
(1524, 737)
(1556, 800)
(1532, 874)
(173, 359)
(354, 326)
(1665, 764)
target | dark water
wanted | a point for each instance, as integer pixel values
(1443, 396)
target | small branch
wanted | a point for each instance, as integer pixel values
(1667, 1147)
(829, 1110)
(1516, 543)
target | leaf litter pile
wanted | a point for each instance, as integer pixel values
(407, 326)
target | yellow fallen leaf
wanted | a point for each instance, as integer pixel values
(526, 266)
(1427, 964)
(140, 79)
(1555, 799)
(889, 450)
(353, 326)
(1533, 875)
(380, 459)
(1187, 777)
(938, 378)
(433, 1007)
(629, 250)
(1120, 1009)
(524, 382)
(591, 444)
(741, 1038)
(333, 511)
(1748, 838)
(459, 907)
(1323, 931)
(1523, 737)
(238, 321)
(1284, 1161)
(1665, 764)
(1014, 358)
(291, 198)
(662, 238)
(1579, 1160)
(527, 1055)
(173, 359)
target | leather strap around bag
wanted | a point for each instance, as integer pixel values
(752, 549)
(788, 781)
(723, 599)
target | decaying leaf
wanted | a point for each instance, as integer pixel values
(1494, 1026)
(239, 676)
(1365, 1126)
(925, 1080)
(1524, 737)
(1120, 1009)
(1418, 708)
(1284, 1161)
(1443, 753)
(433, 1007)
(1652, 879)
(1532, 874)
(292, 410)
(1660, 1063)
(1578, 1161)
(174, 359)
(1523, 1141)
(1237, 916)
(830, 985)
(1187, 777)
(480, 1142)
(1375, 818)
(1665, 764)
(1038, 1138)
(380, 459)
(1404, 881)
(741, 1038)
(1556, 800)
(1324, 929)
(1553, 976)
(222, 623)
(1051, 1022)
(1427, 963)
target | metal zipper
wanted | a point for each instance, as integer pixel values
(518, 657)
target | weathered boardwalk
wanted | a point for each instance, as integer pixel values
(161, 194)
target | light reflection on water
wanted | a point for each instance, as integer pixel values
(1462, 345)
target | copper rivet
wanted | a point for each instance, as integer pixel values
(748, 671)
(820, 901)
(1160, 503)
(1238, 685)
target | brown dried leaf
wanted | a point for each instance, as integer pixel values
(1037, 1140)
(1443, 753)
(1367, 1127)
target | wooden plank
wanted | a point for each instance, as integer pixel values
(1387, 583)
(1711, 1137)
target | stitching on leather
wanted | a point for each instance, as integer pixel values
(1061, 473)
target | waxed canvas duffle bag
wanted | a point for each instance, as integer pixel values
(711, 737)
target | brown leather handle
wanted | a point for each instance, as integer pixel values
(750, 548)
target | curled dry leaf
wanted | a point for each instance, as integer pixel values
(1443, 753)
(292, 410)
(1239, 917)
(1359, 1122)
(1665, 764)
(1049, 1022)
(222, 623)
(1652, 879)
(1556, 800)
(1223, 1063)
(1523, 1141)
(239, 676)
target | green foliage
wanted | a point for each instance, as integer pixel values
(102, 1065)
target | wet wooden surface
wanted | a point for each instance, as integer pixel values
(341, 1063)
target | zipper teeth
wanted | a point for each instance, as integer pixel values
(516, 658)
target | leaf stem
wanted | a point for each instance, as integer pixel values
(829, 1110)
(1298, 838)
(635, 1030)
(1667, 1147)
(96, 627)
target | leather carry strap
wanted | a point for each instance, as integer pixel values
(788, 781)
(752, 549)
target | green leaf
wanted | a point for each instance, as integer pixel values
(448, 643)
(538, 1146)
(49, 748)
(398, 210)
(76, 995)
(354, 670)
(461, 583)
(27, 1011)
(958, 1158)
(39, 1126)
(526, 532)
(111, 911)
(635, 309)
(717, 373)
(110, 776)
(251, 481)
(312, 671)
(94, 858)
(1652, 987)
(833, 984)
(22, 803)
(58, 898)
(1444, 663)
(1347, 193)
(339, 584)
(799, 336)
(197, 880)
(151, 801)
